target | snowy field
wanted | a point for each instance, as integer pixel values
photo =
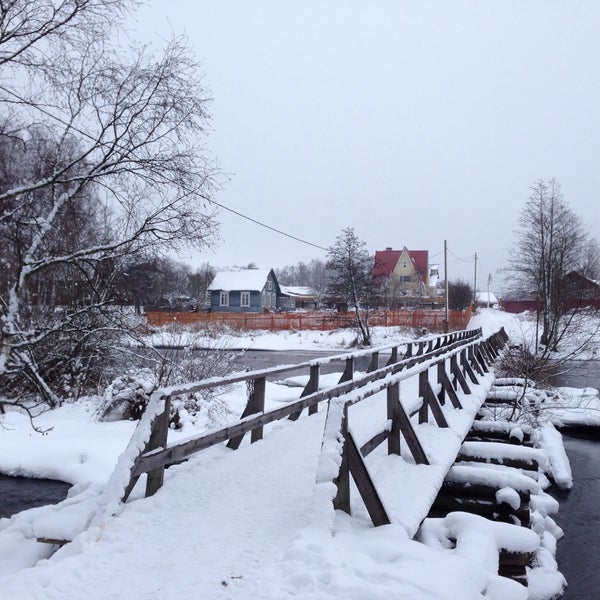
(254, 523)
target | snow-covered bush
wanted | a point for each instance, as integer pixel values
(126, 397)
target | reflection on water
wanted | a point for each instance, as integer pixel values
(578, 552)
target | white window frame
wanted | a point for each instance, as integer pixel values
(223, 298)
(245, 296)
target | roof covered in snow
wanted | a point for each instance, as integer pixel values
(247, 279)
(485, 297)
(297, 290)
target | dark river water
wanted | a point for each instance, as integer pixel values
(21, 493)
(578, 552)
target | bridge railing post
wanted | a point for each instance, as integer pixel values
(348, 373)
(342, 481)
(256, 403)
(158, 439)
(393, 414)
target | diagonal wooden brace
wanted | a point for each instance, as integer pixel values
(447, 387)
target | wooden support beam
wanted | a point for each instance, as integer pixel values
(429, 401)
(467, 366)
(256, 404)
(158, 439)
(348, 373)
(393, 413)
(393, 356)
(364, 483)
(342, 481)
(374, 363)
(480, 358)
(311, 387)
(473, 362)
(458, 375)
(447, 387)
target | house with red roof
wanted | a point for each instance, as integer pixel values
(404, 274)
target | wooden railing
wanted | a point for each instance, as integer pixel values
(468, 355)
(433, 320)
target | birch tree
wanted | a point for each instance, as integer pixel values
(350, 269)
(103, 141)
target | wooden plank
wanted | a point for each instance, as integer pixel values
(393, 356)
(52, 541)
(158, 439)
(252, 407)
(374, 363)
(342, 481)
(260, 386)
(348, 373)
(311, 387)
(411, 438)
(364, 483)
(458, 375)
(374, 442)
(393, 414)
(467, 366)
(472, 362)
(429, 401)
(447, 387)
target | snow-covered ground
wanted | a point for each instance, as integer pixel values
(253, 523)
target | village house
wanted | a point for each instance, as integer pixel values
(247, 290)
(404, 276)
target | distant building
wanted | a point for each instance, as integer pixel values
(248, 290)
(294, 297)
(486, 299)
(404, 274)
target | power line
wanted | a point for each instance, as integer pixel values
(466, 259)
(185, 188)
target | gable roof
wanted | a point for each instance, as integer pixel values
(386, 260)
(246, 279)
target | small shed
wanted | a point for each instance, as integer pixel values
(248, 290)
(294, 297)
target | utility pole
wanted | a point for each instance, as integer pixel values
(475, 283)
(446, 287)
(489, 282)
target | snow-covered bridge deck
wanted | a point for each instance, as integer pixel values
(253, 522)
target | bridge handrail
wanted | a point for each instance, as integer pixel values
(368, 384)
(150, 437)
(237, 377)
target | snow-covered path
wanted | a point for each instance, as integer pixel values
(218, 528)
(246, 524)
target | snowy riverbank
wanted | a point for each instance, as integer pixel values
(243, 524)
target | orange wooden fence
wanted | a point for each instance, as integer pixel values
(433, 320)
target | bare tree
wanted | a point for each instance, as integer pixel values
(350, 269)
(550, 243)
(114, 166)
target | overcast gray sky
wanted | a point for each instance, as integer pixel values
(411, 121)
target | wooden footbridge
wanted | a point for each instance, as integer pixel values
(417, 400)
(446, 367)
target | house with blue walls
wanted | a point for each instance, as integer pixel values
(248, 290)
